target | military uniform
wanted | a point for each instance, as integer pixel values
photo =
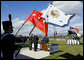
(8, 40)
(8, 45)
(35, 42)
(78, 40)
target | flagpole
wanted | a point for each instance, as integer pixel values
(29, 34)
(34, 27)
(19, 28)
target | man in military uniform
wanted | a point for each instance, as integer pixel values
(35, 42)
(8, 40)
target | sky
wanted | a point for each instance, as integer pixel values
(20, 11)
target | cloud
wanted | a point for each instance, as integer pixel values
(17, 23)
(69, 6)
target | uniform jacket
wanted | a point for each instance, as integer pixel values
(8, 41)
(35, 39)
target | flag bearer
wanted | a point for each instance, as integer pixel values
(8, 40)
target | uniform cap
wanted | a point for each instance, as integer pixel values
(7, 24)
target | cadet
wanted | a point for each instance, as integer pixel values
(68, 40)
(8, 40)
(35, 42)
(78, 40)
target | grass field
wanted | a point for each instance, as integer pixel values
(65, 51)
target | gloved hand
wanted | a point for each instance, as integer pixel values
(20, 36)
(24, 39)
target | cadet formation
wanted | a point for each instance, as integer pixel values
(73, 39)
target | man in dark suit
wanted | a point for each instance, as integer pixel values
(31, 38)
(35, 42)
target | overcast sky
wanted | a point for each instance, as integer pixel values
(20, 11)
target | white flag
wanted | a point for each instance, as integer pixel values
(55, 16)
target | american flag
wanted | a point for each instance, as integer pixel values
(74, 29)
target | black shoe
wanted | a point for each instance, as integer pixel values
(30, 49)
(35, 50)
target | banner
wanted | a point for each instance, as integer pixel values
(55, 16)
(41, 25)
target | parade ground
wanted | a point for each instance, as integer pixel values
(65, 52)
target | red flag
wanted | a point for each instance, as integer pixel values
(34, 17)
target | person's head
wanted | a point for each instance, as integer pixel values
(10, 30)
(35, 35)
(31, 34)
(27, 35)
(7, 26)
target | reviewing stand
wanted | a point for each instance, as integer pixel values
(44, 45)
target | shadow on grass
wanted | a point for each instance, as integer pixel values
(20, 56)
(81, 43)
(70, 56)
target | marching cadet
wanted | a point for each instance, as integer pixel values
(78, 40)
(75, 40)
(68, 40)
(35, 42)
(8, 40)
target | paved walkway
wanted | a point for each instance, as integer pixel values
(25, 53)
